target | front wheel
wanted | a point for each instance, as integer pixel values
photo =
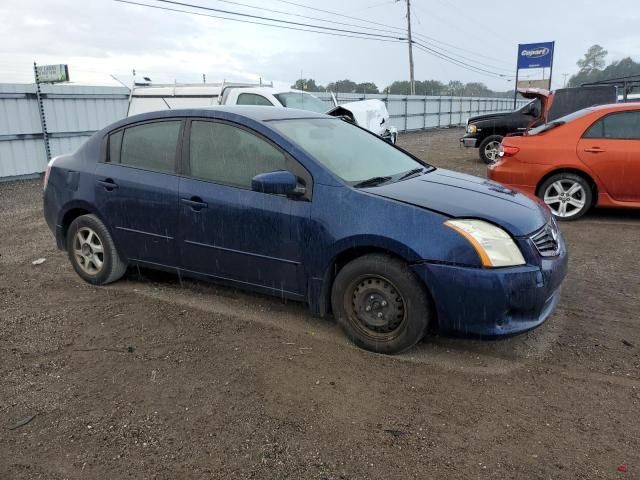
(380, 304)
(490, 149)
(568, 195)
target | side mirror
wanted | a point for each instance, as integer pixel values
(280, 182)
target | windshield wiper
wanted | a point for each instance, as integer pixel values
(372, 182)
(411, 173)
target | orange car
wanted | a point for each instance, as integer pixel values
(588, 158)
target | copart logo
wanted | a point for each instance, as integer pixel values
(535, 52)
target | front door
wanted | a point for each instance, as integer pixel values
(230, 232)
(611, 149)
(136, 191)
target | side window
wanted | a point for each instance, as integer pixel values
(151, 146)
(253, 99)
(596, 130)
(226, 154)
(623, 125)
(115, 145)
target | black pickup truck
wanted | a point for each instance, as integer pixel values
(485, 132)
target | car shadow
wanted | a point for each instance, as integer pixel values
(612, 214)
(450, 352)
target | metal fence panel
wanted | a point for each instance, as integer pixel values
(74, 112)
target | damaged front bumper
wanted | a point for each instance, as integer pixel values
(390, 135)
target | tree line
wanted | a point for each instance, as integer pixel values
(401, 87)
(593, 68)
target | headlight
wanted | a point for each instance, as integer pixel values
(494, 246)
(471, 128)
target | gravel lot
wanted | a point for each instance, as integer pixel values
(155, 378)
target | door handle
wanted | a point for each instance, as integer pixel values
(108, 184)
(195, 203)
(595, 150)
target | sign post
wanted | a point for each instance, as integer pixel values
(534, 55)
(47, 74)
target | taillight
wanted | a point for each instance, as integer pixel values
(508, 150)
(48, 172)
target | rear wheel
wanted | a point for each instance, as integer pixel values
(490, 148)
(380, 304)
(92, 252)
(568, 195)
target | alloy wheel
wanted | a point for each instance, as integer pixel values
(88, 251)
(565, 198)
(492, 151)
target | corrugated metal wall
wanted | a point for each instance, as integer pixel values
(415, 112)
(72, 114)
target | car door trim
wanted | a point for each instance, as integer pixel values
(251, 284)
(241, 252)
(157, 235)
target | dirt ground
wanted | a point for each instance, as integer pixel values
(155, 378)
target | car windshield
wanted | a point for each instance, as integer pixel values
(302, 101)
(354, 155)
(559, 121)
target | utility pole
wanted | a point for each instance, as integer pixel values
(565, 75)
(412, 82)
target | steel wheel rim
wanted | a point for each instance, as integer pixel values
(376, 307)
(88, 251)
(492, 151)
(565, 198)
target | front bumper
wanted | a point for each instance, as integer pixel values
(494, 302)
(390, 135)
(469, 141)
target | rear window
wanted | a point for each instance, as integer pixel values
(560, 121)
(151, 146)
(253, 99)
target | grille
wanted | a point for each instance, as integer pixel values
(547, 240)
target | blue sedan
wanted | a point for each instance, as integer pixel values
(311, 208)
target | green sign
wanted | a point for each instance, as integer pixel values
(53, 73)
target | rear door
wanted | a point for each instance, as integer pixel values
(136, 190)
(611, 148)
(230, 232)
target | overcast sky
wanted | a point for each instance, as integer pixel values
(101, 37)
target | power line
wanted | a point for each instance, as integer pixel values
(231, 2)
(460, 63)
(455, 47)
(270, 19)
(340, 15)
(425, 38)
(158, 7)
(427, 48)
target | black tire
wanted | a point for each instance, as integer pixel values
(82, 257)
(487, 142)
(565, 179)
(402, 324)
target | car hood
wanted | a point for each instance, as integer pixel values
(488, 116)
(459, 195)
(370, 114)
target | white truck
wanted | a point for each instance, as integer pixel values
(371, 114)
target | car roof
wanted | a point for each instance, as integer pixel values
(614, 107)
(250, 112)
